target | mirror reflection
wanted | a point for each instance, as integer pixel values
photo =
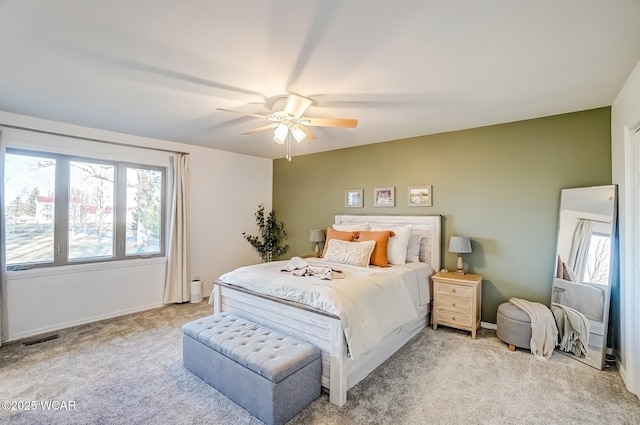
(580, 294)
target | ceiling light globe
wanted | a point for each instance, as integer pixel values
(298, 134)
(280, 133)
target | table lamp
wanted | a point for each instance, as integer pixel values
(317, 236)
(460, 245)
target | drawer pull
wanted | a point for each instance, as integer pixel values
(453, 305)
(453, 290)
(453, 318)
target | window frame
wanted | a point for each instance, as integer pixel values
(61, 210)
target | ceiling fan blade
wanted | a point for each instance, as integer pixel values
(242, 113)
(330, 122)
(296, 105)
(305, 130)
(265, 127)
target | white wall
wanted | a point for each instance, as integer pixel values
(226, 189)
(625, 115)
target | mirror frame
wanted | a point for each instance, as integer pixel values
(598, 359)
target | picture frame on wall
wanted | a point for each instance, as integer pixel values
(420, 196)
(353, 198)
(384, 197)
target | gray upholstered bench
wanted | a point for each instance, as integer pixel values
(271, 375)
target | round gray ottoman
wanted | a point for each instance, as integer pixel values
(514, 326)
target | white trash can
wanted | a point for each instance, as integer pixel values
(196, 291)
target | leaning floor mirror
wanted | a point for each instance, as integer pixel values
(581, 290)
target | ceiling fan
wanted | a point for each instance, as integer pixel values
(288, 121)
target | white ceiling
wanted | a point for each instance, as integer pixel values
(160, 68)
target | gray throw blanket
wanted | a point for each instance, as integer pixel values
(544, 332)
(299, 267)
(573, 328)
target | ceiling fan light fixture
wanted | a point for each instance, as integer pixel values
(288, 121)
(298, 134)
(280, 133)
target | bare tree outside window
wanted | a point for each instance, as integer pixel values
(597, 267)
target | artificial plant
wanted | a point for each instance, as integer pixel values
(272, 232)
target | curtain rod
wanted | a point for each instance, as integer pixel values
(90, 139)
(595, 221)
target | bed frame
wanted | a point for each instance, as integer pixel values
(339, 372)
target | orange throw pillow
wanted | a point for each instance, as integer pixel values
(379, 255)
(338, 234)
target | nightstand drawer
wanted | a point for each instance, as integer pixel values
(455, 290)
(454, 319)
(462, 305)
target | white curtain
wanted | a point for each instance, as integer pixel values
(176, 287)
(580, 247)
(3, 252)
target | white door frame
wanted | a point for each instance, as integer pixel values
(630, 265)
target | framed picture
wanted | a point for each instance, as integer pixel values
(419, 196)
(353, 198)
(384, 197)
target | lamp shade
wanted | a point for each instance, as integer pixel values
(460, 244)
(316, 235)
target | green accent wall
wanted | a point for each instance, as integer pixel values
(499, 184)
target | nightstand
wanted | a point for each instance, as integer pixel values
(457, 300)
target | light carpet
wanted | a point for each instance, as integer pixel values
(128, 370)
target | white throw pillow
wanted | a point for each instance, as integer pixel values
(355, 253)
(360, 227)
(397, 247)
(413, 248)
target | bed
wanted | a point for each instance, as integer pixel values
(341, 368)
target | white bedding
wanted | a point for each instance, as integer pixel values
(371, 301)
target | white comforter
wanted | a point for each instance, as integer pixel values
(370, 301)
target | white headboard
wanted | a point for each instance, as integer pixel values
(428, 226)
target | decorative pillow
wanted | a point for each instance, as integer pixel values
(351, 227)
(413, 248)
(559, 268)
(379, 255)
(568, 273)
(397, 248)
(340, 235)
(355, 253)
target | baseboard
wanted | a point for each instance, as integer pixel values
(487, 325)
(84, 321)
(622, 371)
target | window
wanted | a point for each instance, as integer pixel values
(90, 210)
(144, 213)
(68, 210)
(596, 268)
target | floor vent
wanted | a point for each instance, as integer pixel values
(41, 340)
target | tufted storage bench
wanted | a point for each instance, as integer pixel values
(270, 374)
